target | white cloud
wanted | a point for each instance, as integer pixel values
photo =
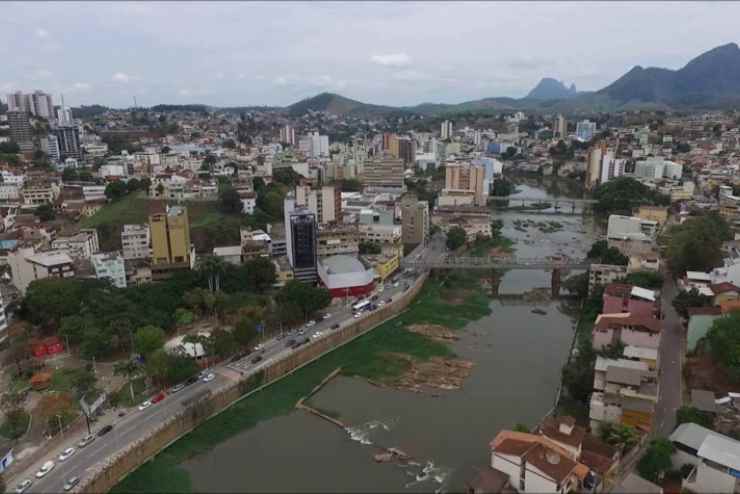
(392, 59)
(81, 86)
(42, 33)
(121, 77)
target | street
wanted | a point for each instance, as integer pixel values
(671, 354)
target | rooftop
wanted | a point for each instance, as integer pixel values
(50, 258)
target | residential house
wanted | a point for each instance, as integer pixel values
(231, 254)
(620, 297)
(641, 331)
(604, 274)
(715, 457)
(110, 266)
(700, 321)
(27, 265)
(723, 292)
(81, 245)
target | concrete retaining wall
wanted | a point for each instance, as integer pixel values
(106, 475)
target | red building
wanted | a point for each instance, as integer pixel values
(346, 276)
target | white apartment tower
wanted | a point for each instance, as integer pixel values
(447, 130)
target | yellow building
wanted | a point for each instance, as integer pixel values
(653, 213)
(384, 265)
(170, 237)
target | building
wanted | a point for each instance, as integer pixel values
(69, 141)
(231, 254)
(301, 241)
(658, 168)
(53, 150)
(715, 459)
(593, 165)
(287, 135)
(27, 265)
(314, 145)
(604, 274)
(135, 242)
(585, 130)
(415, 223)
(384, 175)
(110, 266)
(325, 203)
(37, 192)
(626, 328)
(659, 214)
(38, 104)
(346, 276)
(338, 239)
(406, 150)
(20, 130)
(169, 229)
(81, 245)
(620, 298)
(384, 264)
(468, 179)
(631, 228)
(560, 127)
(446, 130)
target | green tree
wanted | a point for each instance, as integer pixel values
(245, 332)
(619, 435)
(45, 212)
(148, 339)
(157, 365)
(229, 201)
(9, 147)
(223, 343)
(286, 176)
(15, 424)
(688, 299)
(656, 460)
(621, 194)
(307, 298)
(183, 317)
(351, 185)
(367, 247)
(601, 253)
(128, 369)
(496, 227)
(693, 415)
(70, 175)
(229, 144)
(208, 162)
(696, 244)
(456, 237)
(116, 190)
(521, 428)
(213, 269)
(180, 367)
(577, 284)
(724, 343)
(651, 280)
(503, 187)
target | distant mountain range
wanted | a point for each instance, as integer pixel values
(710, 80)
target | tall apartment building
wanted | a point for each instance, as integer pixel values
(593, 165)
(170, 235)
(385, 175)
(53, 151)
(446, 131)
(325, 203)
(407, 150)
(135, 242)
(314, 145)
(110, 266)
(27, 265)
(287, 135)
(468, 178)
(585, 130)
(301, 234)
(17, 102)
(38, 104)
(68, 137)
(560, 127)
(20, 130)
(414, 220)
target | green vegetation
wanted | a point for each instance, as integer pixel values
(694, 415)
(367, 247)
(298, 300)
(696, 244)
(45, 212)
(78, 381)
(456, 237)
(503, 187)
(651, 280)
(15, 424)
(351, 185)
(724, 343)
(601, 253)
(578, 372)
(657, 460)
(621, 194)
(619, 435)
(370, 356)
(687, 299)
(130, 395)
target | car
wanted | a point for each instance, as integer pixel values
(177, 387)
(45, 468)
(290, 342)
(66, 454)
(158, 397)
(357, 315)
(259, 347)
(310, 323)
(381, 303)
(209, 377)
(105, 430)
(23, 486)
(191, 380)
(335, 326)
(144, 405)
(326, 316)
(395, 285)
(85, 441)
(388, 300)
(257, 359)
(70, 483)
(315, 335)
(301, 332)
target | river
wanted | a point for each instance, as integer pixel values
(517, 354)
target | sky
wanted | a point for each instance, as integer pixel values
(233, 54)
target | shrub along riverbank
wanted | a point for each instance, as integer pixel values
(452, 301)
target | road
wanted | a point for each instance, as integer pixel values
(137, 423)
(671, 354)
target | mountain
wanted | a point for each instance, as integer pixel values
(338, 105)
(712, 78)
(549, 88)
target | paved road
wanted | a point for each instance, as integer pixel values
(671, 354)
(136, 423)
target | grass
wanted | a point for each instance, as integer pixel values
(367, 356)
(481, 248)
(122, 397)
(133, 208)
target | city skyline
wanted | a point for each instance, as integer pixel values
(429, 52)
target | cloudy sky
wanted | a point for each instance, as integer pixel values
(387, 53)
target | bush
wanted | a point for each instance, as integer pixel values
(656, 460)
(15, 424)
(693, 415)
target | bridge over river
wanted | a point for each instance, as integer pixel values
(555, 205)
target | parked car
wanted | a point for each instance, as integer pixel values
(310, 323)
(388, 300)
(259, 347)
(105, 430)
(301, 332)
(356, 315)
(257, 359)
(290, 342)
(326, 316)
(335, 326)
(66, 454)
(85, 441)
(209, 377)
(145, 404)
(395, 285)
(177, 387)
(45, 468)
(158, 397)
(191, 380)
(23, 486)
(70, 483)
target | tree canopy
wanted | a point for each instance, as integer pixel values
(307, 299)
(229, 201)
(724, 343)
(621, 194)
(148, 339)
(696, 244)
(601, 253)
(456, 237)
(657, 459)
(652, 280)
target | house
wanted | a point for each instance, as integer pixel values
(723, 292)
(700, 321)
(632, 330)
(697, 280)
(486, 480)
(231, 254)
(620, 297)
(27, 265)
(604, 274)
(715, 457)
(625, 392)
(81, 245)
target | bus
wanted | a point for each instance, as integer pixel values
(360, 306)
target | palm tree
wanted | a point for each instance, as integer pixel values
(129, 369)
(213, 267)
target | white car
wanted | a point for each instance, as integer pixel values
(209, 377)
(70, 483)
(327, 316)
(85, 441)
(23, 486)
(395, 285)
(259, 347)
(66, 454)
(145, 405)
(310, 323)
(357, 315)
(45, 468)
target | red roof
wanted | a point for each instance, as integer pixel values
(618, 290)
(605, 321)
(724, 287)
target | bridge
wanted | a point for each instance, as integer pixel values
(551, 200)
(556, 205)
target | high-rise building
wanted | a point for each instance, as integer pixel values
(38, 103)
(585, 130)
(69, 141)
(20, 130)
(407, 150)
(301, 233)
(170, 235)
(384, 175)
(325, 203)
(446, 131)
(52, 148)
(314, 145)
(135, 242)
(560, 127)
(593, 165)
(287, 135)
(414, 220)
(465, 177)
(17, 102)
(64, 116)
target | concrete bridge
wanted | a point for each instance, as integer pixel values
(561, 205)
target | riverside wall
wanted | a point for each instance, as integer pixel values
(105, 475)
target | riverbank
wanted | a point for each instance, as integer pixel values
(369, 356)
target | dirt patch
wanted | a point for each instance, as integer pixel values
(456, 297)
(702, 372)
(500, 252)
(434, 331)
(429, 376)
